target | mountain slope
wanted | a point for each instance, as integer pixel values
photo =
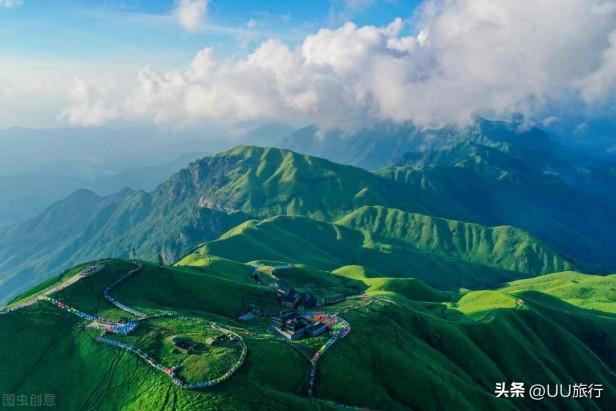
(432, 258)
(587, 291)
(196, 204)
(502, 247)
(266, 182)
(577, 225)
(401, 353)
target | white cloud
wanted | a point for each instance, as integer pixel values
(470, 57)
(11, 3)
(190, 14)
(93, 107)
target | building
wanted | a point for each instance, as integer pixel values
(307, 300)
(291, 325)
(333, 299)
(290, 298)
(316, 329)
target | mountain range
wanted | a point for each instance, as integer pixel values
(523, 180)
(456, 259)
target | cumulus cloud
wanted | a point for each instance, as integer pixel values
(469, 57)
(11, 3)
(93, 103)
(190, 14)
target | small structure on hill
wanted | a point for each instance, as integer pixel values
(271, 312)
(293, 325)
(291, 298)
(333, 298)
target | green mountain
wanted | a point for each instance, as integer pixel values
(503, 247)
(216, 193)
(443, 253)
(578, 225)
(587, 291)
(491, 173)
(409, 346)
(196, 204)
(384, 144)
(437, 277)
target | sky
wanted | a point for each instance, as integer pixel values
(340, 63)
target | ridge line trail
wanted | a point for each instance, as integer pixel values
(126, 328)
(86, 272)
(170, 371)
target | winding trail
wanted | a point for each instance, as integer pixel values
(340, 328)
(90, 270)
(125, 328)
(170, 371)
(118, 304)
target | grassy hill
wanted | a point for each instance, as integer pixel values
(481, 179)
(502, 247)
(542, 205)
(586, 291)
(409, 347)
(442, 253)
(196, 204)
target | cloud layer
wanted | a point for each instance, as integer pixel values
(9, 4)
(190, 14)
(469, 57)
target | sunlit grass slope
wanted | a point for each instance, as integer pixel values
(410, 347)
(501, 247)
(587, 291)
(442, 253)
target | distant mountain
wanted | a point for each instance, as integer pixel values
(216, 193)
(564, 201)
(369, 148)
(268, 134)
(384, 144)
(90, 152)
(197, 204)
(26, 195)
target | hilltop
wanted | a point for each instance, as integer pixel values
(403, 334)
(443, 253)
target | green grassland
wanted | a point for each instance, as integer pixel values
(449, 292)
(501, 247)
(583, 290)
(442, 253)
(203, 362)
(411, 346)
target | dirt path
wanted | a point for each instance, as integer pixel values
(90, 270)
(125, 328)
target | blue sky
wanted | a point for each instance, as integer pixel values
(138, 32)
(338, 63)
